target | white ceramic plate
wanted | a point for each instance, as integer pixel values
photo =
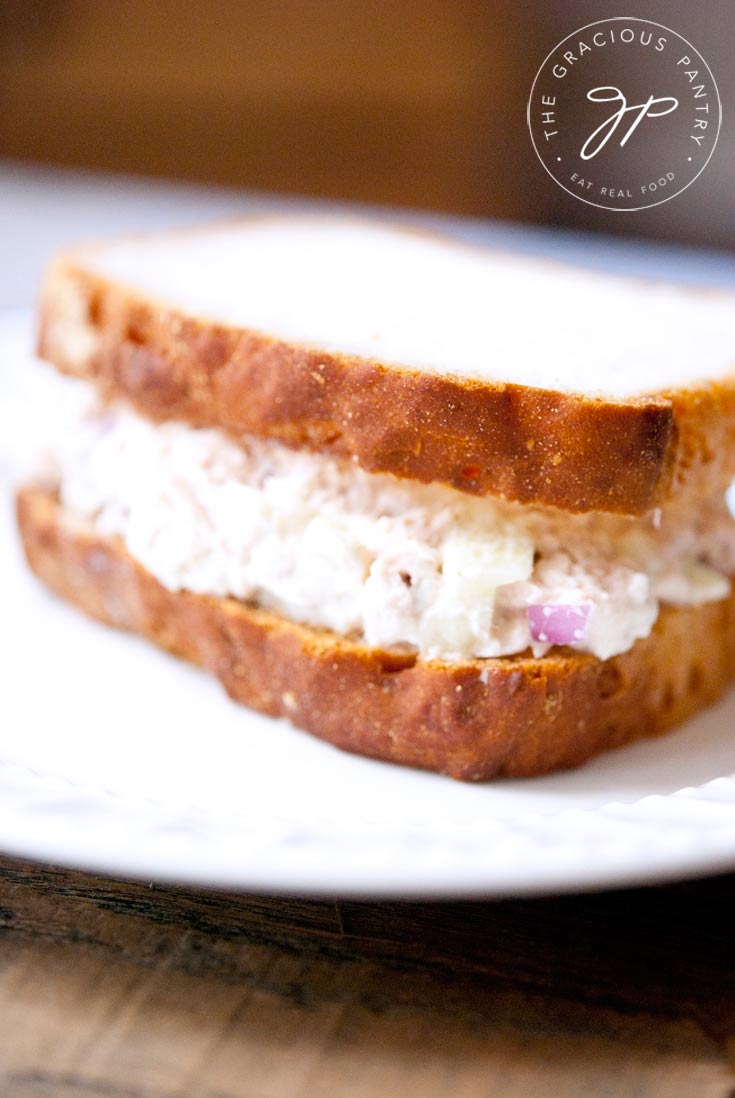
(117, 758)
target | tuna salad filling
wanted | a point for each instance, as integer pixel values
(390, 562)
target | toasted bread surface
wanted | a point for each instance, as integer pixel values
(472, 719)
(531, 443)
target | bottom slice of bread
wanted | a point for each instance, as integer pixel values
(471, 719)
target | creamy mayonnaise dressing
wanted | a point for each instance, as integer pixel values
(370, 556)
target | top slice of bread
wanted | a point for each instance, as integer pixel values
(412, 354)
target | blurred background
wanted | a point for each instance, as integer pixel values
(414, 103)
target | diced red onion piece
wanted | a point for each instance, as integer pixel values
(558, 623)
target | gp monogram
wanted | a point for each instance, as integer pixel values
(624, 114)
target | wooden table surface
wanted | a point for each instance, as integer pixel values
(111, 989)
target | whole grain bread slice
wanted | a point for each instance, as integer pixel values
(411, 354)
(473, 719)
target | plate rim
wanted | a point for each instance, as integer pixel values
(668, 828)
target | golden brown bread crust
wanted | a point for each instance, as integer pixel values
(473, 719)
(532, 445)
